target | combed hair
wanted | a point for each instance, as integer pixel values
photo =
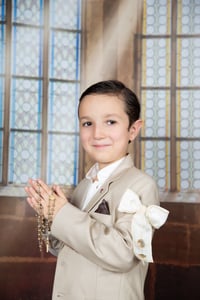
(116, 88)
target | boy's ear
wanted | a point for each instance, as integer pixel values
(135, 129)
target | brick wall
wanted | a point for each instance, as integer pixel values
(26, 275)
(176, 247)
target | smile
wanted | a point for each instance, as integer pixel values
(101, 146)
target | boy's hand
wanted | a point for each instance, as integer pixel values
(40, 193)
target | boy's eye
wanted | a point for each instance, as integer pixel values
(110, 122)
(86, 124)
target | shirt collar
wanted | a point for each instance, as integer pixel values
(101, 175)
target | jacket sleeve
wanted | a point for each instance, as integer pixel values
(97, 238)
(55, 245)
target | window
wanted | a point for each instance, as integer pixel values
(39, 80)
(168, 49)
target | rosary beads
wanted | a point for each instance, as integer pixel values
(44, 224)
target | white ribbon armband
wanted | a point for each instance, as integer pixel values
(145, 218)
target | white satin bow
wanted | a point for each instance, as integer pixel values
(143, 221)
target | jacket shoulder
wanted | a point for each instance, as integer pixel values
(141, 183)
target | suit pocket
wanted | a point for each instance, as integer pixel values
(103, 208)
(102, 218)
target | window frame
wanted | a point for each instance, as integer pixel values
(7, 188)
(173, 194)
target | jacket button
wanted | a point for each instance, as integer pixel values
(59, 296)
(141, 243)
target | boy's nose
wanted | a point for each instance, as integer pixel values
(98, 132)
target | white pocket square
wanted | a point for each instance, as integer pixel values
(143, 221)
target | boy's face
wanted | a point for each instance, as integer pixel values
(104, 129)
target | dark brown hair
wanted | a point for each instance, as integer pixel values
(116, 88)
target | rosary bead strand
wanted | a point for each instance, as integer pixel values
(40, 217)
(51, 208)
(44, 224)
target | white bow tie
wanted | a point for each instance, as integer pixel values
(143, 221)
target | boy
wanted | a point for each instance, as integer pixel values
(103, 235)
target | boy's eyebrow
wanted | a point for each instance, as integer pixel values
(112, 115)
(84, 117)
(106, 116)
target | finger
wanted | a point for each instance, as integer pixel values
(29, 191)
(39, 206)
(31, 201)
(44, 187)
(36, 191)
(35, 184)
(31, 185)
(32, 193)
(58, 191)
(46, 196)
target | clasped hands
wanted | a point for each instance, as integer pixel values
(40, 193)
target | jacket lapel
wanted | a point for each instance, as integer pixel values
(98, 196)
(80, 193)
(126, 164)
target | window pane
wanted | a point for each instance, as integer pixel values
(28, 12)
(1, 101)
(64, 55)
(26, 104)
(63, 107)
(2, 71)
(156, 161)
(188, 16)
(62, 159)
(188, 62)
(156, 113)
(157, 17)
(2, 10)
(188, 114)
(27, 51)
(60, 9)
(2, 49)
(63, 148)
(156, 62)
(2, 76)
(24, 156)
(188, 165)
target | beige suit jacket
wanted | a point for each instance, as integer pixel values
(95, 253)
